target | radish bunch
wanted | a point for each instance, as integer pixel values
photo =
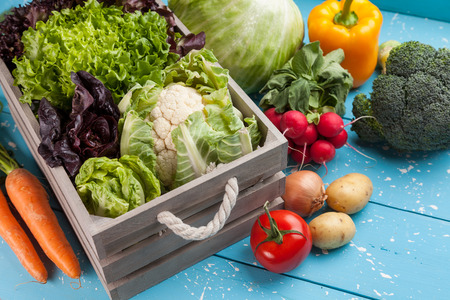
(308, 141)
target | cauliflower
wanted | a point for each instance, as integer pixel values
(175, 103)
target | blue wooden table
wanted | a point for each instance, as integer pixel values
(400, 250)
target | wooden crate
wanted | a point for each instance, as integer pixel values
(134, 251)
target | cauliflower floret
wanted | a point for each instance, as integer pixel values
(175, 103)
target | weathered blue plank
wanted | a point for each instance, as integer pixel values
(218, 278)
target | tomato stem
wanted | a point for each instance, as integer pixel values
(274, 234)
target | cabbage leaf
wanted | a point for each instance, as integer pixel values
(136, 139)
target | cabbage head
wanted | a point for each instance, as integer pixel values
(251, 38)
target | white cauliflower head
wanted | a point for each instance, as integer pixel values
(175, 103)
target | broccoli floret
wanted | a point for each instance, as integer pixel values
(411, 102)
(440, 66)
(371, 129)
(409, 58)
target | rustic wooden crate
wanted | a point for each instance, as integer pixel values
(134, 251)
(134, 246)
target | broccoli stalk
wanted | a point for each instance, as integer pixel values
(411, 103)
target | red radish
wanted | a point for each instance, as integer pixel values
(309, 136)
(301, 154)
(330, 124)
(274, 117)
(293, 124)
(322, 151)
(339, 140)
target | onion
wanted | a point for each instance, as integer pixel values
(305, 193)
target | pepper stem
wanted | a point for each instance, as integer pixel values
(273, 233)
(346, 17)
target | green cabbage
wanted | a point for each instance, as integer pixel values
(251, 38)
(120, 49)
(111, 187)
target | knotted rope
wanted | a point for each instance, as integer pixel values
(188, 232)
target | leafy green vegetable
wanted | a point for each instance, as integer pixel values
(309, 82)
(111, 187)
(250, 38)
(119, 49)
(20, 18)
(239, 143)
(136, 139)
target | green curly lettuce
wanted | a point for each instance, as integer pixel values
(120, 49)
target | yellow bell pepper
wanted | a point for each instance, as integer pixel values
(353, 26)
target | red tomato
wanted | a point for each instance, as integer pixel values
(280, 250)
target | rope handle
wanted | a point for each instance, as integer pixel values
(188, 232)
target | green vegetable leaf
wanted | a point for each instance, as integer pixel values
(308, 60)
(197, 70)
(195, 142)
(335, 56)
(253, 131)
(308, 82)
(141, 98)
(136, 139)
(298, 95)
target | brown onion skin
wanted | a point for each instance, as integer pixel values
(304, 193)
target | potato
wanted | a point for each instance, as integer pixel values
(332, 230)
(350, 193)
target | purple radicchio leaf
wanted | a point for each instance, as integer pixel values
(190, 42)
(91, 131)
(54, 147)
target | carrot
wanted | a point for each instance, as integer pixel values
(17, 239)
(31, 201)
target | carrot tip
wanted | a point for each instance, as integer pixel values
(31, 281)
(79, 284)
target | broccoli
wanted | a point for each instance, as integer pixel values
(411, 102)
